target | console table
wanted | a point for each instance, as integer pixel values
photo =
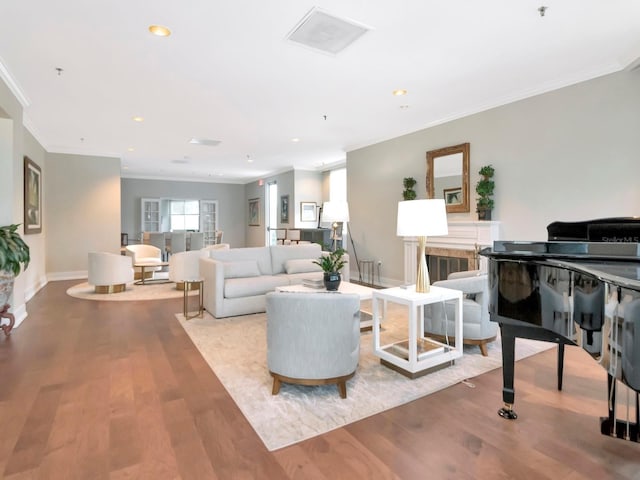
(417, 355)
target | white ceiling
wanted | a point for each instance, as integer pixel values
(228, 73)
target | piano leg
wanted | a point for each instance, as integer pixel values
(507, 334)
(617, 428)
(560, 364)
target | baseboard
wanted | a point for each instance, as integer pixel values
(79, 275)
(33, 289)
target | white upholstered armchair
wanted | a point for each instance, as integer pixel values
(144, 254)
(477, 329)
(313, 338)
(109, 272)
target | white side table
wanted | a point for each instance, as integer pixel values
(417, 355)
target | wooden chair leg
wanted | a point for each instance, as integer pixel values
(342, 388)
(276, 386)
(483, 349)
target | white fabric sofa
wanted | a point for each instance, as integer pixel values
(109, 272)
(236, 281)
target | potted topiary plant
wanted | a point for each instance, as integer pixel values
(409, 193)
(14, 256)
(484, 189)
(331, 264)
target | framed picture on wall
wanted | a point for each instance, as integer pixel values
(284, 209)
(452, 196)
(254, 212)
(307, 211)
(32, 197)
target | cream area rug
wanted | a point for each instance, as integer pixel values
(133, 292)
(235, 348)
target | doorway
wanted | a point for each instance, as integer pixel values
(271, 213)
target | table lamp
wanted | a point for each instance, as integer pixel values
(422, 218)
(335, 212)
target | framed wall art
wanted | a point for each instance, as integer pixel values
(308, 211)
(284, 209)
(32, 197)
(254, 212)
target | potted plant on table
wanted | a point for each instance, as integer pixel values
(14, 256)
(331, 264)
(484, 189)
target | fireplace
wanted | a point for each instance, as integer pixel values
(455, 252)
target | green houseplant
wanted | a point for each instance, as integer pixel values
(331, 264)
(14, 256)
(484, 189)
(409, 193)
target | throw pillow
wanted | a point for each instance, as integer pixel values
(301, 265)
(246, 268)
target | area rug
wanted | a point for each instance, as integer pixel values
(133, 292)
(235, 348)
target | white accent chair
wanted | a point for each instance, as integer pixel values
(185, 267)
(144, 254)
(477, 329)
(217, 246)
(312, 338)
(109, 272)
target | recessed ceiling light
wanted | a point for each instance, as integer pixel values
(295, 140)
(404, 107)
(399, 92)
(204, 141)
(138, 119)
(130, 149)
(159, 30)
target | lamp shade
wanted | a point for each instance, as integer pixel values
(335, 212)
(422, 218)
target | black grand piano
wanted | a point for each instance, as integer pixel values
(581, 287)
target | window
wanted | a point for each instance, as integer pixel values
(185, 215)
(338, 185)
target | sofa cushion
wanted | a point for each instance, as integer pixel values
(258, 254)
(241, 269)
(251, 286)
(301, 265)
(281, 253)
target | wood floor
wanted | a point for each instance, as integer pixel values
(97, 390)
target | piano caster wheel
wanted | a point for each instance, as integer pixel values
(508, 413)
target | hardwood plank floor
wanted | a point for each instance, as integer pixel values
(116, 390)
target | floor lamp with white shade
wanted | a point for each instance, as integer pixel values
(422, 218)
(335, 212)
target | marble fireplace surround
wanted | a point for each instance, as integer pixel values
(464, 240)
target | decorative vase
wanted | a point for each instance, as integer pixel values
(332, 281)
(6, 289)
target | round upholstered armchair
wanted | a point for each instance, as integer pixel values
(477, 329)
(147, 254)
(108, 272)
(313, 338)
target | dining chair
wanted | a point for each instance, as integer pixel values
(158, 240)
(196, 241)
(178, 242)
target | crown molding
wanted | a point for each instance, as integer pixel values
(13, 85)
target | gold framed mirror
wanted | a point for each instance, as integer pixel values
(448, 176)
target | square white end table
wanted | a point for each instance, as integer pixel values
(417, 355)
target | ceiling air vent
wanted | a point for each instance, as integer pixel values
(327, 33)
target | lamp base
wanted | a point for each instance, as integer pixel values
(422, 278)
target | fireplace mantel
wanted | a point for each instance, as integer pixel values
(468, 236)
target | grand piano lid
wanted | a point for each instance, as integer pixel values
(578, 250)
